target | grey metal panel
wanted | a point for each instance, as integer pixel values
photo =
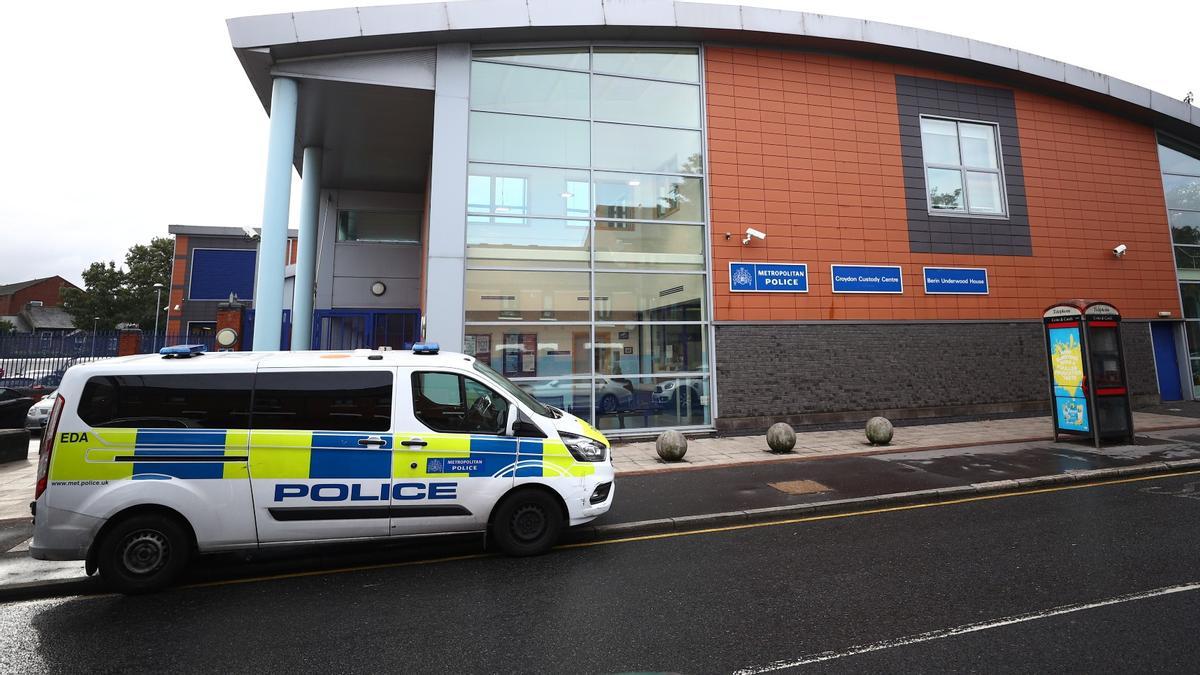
(355, 293)
(1041, 66)
(392, 19)
(773, 20)
(444, 302)
(705, 15)
(835, 27)
(986, 52)
(446, 245)
(377, 260)
(1169, 106)
(1087, 79)
(326, 24)
(326, 227)
(261, 31)
(639, 13)
(247, 33)
(890, 34)
(559, 13)
(413, 68)
(491, 14)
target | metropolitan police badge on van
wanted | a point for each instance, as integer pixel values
(434, 465)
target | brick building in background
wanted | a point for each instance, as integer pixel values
(34, 306)
(613, 204)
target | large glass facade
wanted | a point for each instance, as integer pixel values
(586, 271)
(1181, 182)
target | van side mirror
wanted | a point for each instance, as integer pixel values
(523, 427)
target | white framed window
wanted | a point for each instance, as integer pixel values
(963, 171)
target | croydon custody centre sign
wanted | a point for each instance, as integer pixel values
(768, 277)
(866, 279)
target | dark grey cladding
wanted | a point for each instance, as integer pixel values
(916, 96)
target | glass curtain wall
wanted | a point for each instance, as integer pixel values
(586, 278)
(1181, 183)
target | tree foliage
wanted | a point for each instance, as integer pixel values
(123, 294)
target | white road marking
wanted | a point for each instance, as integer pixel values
(961, 630)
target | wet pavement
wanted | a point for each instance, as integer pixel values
(1094, 579)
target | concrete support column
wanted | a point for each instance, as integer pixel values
(272, 246)
(448, 198)
(306, 254)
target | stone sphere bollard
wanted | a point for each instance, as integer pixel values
(671, 445)
(781, 437)
(879, 431)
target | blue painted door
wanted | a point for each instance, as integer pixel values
(1166, 361)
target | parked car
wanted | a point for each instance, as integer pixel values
(34, 388)
(35, 419)
(678, 393)
(573, 396)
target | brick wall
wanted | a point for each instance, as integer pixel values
(807, 147)
(830, 372)
(45, 291)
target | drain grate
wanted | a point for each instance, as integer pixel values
(800, 487)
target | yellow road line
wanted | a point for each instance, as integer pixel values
(711, 530)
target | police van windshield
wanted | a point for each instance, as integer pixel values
(523, 396)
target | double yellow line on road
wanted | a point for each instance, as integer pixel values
(710, 530)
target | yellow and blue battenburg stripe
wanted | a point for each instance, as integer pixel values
(198, 454)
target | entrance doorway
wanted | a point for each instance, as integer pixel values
(365, 328)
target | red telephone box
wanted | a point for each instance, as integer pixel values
(1087, 370)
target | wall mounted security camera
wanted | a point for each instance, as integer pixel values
(752, 233)
(1120, 249)
(249, 232)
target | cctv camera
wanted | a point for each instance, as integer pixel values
(1120, 250)
(752, 233)
(249, 232)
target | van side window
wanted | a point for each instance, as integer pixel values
(457, 404)
(324, 401)
(183, 401)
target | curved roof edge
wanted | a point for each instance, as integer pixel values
(473, 16)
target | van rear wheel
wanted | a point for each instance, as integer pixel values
(143, 553)
(527, 523)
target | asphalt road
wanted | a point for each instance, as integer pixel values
(1089, 579)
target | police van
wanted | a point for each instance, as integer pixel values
(148, 459)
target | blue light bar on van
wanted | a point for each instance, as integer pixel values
(425, 348)
(182, 351)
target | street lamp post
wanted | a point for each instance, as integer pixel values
(157, 304)
(95, 320)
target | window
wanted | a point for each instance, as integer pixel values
(456, 404)
(218, 272)
(1180, 165)
(184, 401)
(398, 227)
(325, 401)
(963, 174)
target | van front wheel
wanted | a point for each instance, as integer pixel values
(143, 554)
(527, 523)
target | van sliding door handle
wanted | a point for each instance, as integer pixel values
(414, 442)
(375, 441)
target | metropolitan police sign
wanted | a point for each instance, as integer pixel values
(768, 277)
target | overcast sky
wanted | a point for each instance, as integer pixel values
(119, 118)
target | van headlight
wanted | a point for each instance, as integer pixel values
(584, 449)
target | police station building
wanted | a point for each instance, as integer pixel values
(674, 214)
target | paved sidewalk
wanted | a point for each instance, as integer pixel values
(641, 457)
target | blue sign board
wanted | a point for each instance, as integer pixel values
(956, 281)
(768, 277)
(866, 279)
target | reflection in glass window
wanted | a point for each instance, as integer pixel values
(621, 244)
(527, 190)
(650, 297)
(528, 140)
(1183, 192)
(664, 63)
(633, 148)
(658, 402)
(623, 349)
(1185, 227)
(962, 167)
(574, 58)
(1174, 160)
(532, 296)
(527, 242)
(1190, 294)
(533, 91)
(622, 196)
(401, 227)
(1187, 257)
(522, 350)
(623, 99)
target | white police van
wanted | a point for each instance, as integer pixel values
(148, 459)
